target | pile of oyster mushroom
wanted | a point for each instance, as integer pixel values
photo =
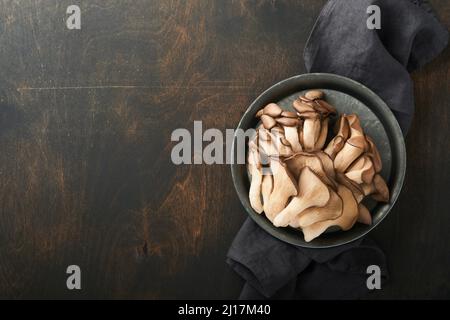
(299, 180)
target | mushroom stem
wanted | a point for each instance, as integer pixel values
(291, 134)
(311, 131)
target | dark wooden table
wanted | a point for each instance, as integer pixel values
(85, 123)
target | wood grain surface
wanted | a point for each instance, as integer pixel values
(85, 170)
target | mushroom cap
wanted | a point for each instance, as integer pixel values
(284, 187)
(289, 114)
(254, 168)
(322, 135)
(268, 121)
(314, 95)
(327, 163)
(361, 170)
(352, 149)
(332, 210)
(355, 188)
(288, 122)
(345, 221)
(309, 186)
(342, 127)
(298, 161)
(291, 134)
(312, 192)
(381, 189)
(326, 107)
(266, 187)
(302, 106)
(273, 110)
(364, 215)
(335, 145)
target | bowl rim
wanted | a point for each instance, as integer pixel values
(398, 141)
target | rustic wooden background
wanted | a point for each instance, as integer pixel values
(85, 124)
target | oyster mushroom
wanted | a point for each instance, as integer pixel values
(324, 107)
(332, 210)
(312, 193)
(362, 170)
(348, 218)
(374, 155)
(364, 215)
(352, 149)
(311, 132)
(284, 187)
(274, 143)
(323, 135)
(291, 134)
(342, 131)
(289, 114)
(266, 188)
(335, 145)
(327, 163)
(314, 95)
(377, 189)
(254, 168)
(302, 107)
(268, 121)
(355, 188)
(297, 162)
(354, 146)
(281, 144)
(288, 122)
(272, 110)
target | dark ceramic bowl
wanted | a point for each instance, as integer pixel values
(347, 96)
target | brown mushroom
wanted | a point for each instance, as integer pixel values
(348, 218)
(302, 106)
(327, 163)
(325, 107)
(332, 210)
(362, 170)
(377, 189)
(355, 188)
(314, 94)
(323, 135)
(287, 122)
(312, 193)
(335, 145)
(289, 114)
(254, 168)
(352, 149)
(364, 215)
(273, 110)
(268, 121)
(281, 144)
(298, 161)
(342, 131)
(284, 187)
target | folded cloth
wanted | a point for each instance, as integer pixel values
(341, 43)
(410, 36)
(276, 270)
